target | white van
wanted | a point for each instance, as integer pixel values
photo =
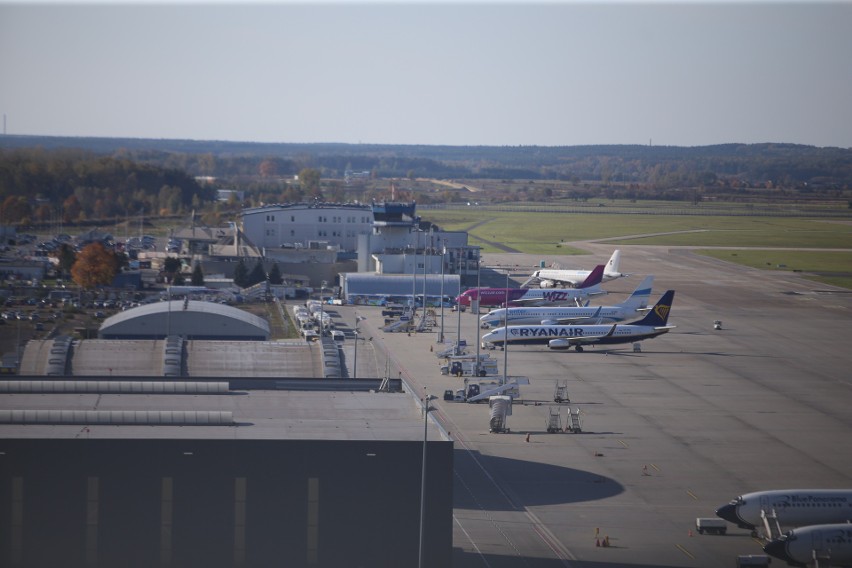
(338, 335)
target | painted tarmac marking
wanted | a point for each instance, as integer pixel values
(685, 551)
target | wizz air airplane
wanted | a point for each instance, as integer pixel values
(791, 507)
(627, 309)
(829, 545)
(578, 336)
(553, 277)
(534, 296)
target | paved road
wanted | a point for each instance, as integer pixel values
(669, 434)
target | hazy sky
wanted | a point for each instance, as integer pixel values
(479, 73)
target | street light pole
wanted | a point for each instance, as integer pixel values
(506, 333)
(355, 363)
(443, 253)
(478, 271)
(426, 410)
(322, 311)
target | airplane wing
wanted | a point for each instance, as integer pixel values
(531, 302)
(565, 320)
(593, 339)
(576, 319)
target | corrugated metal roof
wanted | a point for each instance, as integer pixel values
(177, 307)
(399, 284)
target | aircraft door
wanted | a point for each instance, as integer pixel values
(818, 545)
(765, 504)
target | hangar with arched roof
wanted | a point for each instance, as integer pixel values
(190, 319)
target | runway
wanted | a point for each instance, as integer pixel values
(696, 418)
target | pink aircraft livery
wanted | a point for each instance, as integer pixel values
(535, 296)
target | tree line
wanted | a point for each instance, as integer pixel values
(73, 185)
(784, 165)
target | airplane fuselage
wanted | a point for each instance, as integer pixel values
(793, 508)
(570, 277)
(499, 296)
(589, 334)
(534, 316)
(830, 543)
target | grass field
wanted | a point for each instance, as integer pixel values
(552, 233)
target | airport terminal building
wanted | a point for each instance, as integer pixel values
(386, 238)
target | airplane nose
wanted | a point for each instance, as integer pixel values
(729, 513)
(778, 549)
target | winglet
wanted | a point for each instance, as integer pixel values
(594, 278)
(659, 314)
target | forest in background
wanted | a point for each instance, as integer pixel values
(43, 179)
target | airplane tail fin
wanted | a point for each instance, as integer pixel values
(659, 314)
(594, 278)
(614, 264)
(639, 297)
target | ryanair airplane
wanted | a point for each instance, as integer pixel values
(578, 336)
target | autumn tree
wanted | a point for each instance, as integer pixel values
(309, 179)
(71, 209)
(95, 266)
(268, 168)
(15, 209)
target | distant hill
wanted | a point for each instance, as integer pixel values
(779, 165)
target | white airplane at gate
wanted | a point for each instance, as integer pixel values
(631, 307)
(815, 545)
(790, 507)
(557, 277)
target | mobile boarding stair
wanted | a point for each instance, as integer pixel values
(575, 427)
(501, 409)
(560, 393)
(509, 388)
(405, 323)
(771, 524)
(554, 421)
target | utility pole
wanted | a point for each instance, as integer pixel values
(443, 254)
